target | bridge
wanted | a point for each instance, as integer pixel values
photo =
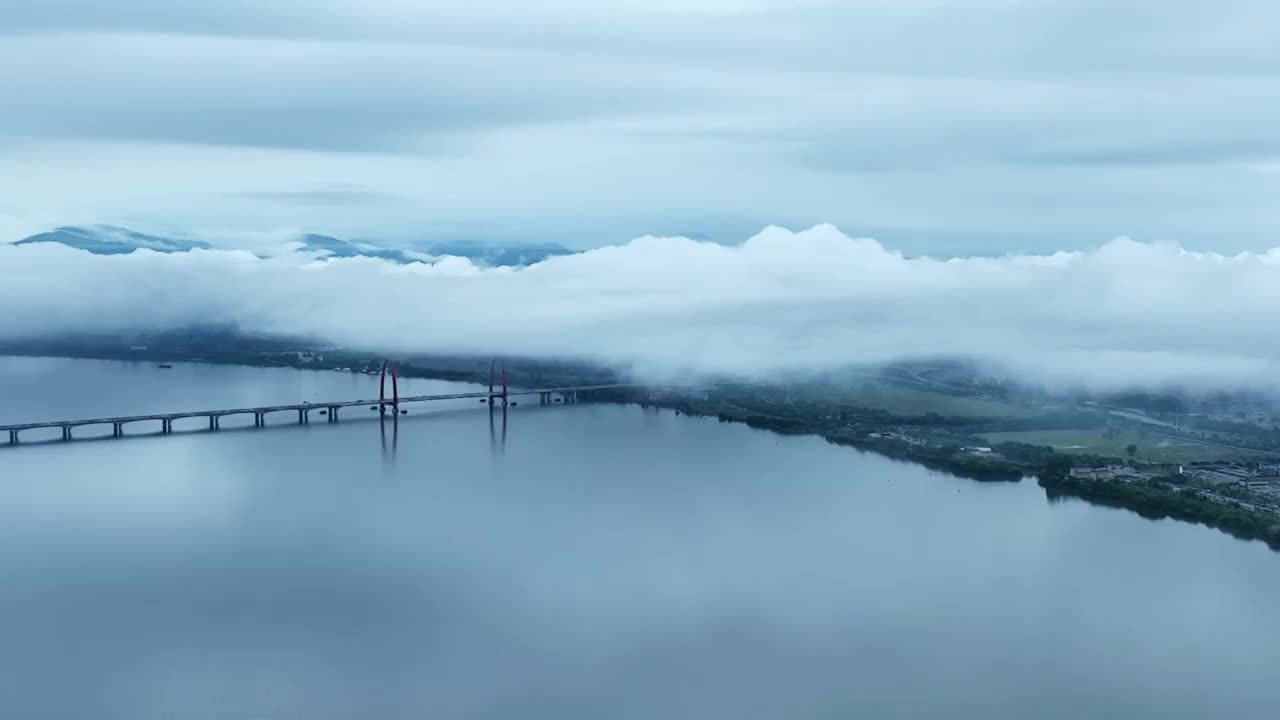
(498, 391)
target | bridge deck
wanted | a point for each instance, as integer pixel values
(301, 406)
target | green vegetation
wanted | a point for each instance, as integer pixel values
(1148, 447)
(1152, 500)
(897, 399)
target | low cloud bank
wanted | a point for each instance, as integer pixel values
(1125, 314)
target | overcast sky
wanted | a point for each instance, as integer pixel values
(946, 128)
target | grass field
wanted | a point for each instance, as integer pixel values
(901, 400)
(1151, 447)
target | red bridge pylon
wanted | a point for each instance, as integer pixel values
(388, 367)
(494, 376)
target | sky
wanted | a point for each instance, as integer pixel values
(1077, 190)
(972, 127)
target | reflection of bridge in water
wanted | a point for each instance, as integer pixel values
(389, 452)
(497, 442)
(389, 433)
(498, 392)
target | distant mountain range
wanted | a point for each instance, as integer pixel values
(341, 248)
(112, 240)
(499, 255)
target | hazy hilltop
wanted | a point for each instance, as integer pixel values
(499, 256)
(114, 240)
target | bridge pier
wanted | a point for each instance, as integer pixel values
(117, 429)
(259, 419)
(213, 422)
(302, 416)
(166, 427)
(333, 414)
(13, 437)
(66, 432)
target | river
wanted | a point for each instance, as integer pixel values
(592, 561)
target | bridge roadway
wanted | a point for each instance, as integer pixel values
(303, 409)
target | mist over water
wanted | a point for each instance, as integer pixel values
(590, 561)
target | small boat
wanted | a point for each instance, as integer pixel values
(164, 366)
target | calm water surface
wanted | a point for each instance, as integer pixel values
(590, 562)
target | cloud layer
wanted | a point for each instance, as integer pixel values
(947, 128)
(1126, 313)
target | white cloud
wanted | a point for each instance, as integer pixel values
(1125, 313)
(943, 127)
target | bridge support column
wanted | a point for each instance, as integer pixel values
(13, 437)
(166, 426)
(213, 422)
(302, 417)
(259, 419)
(333, 414)
(117, 430)
(66, 432)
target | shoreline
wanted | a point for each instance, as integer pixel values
(1156, 503)
(1153, 501)
(1150, 500)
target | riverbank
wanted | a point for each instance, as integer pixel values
(1154, 499)
(1158, 500)
(525, 373)
(877, 433)
(954, 459)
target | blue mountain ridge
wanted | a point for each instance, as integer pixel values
(112, 240)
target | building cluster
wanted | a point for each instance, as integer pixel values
(1111, 473)
(1245, 488)
(1259, 478)
(899, 437)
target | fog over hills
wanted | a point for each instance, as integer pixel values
(112, 240)
(1124, 314)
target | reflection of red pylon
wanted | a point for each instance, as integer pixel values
(388, 367)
